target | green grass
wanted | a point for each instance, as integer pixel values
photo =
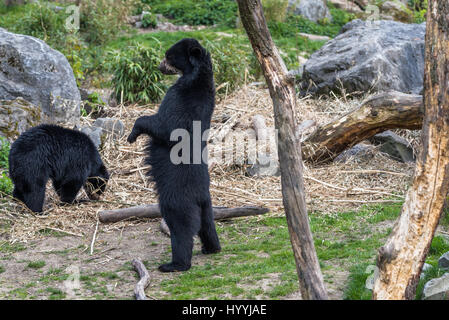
(55, 293)
(359, 273)
(6, 247)
(36, 264)
(257, 261)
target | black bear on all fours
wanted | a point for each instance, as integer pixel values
(183, 188)
(67, 157)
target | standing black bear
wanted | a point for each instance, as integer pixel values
(183, 188)
(67, 157)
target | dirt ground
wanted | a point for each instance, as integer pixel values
(107, 273)
(62, 238)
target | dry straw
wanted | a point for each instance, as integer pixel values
(330, 188)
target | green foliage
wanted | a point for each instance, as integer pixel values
(359, 273)
(95, 98)
(41, 21)
(356, 288)
(419, 8)
(295, 24)
(136, 75)
(196, 12)
(6, 185)
(149, 21)
(4, 152)
(231, 63)
(36, 264)
(275, 10)
(101, 20)
(439, 246)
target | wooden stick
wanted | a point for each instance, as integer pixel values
(153, 211)
(139, 290)
(93, 239)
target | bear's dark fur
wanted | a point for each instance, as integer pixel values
(183, 188)
(67, 157)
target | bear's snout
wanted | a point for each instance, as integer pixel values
(167, 68)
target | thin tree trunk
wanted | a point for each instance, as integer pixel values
(401, 259)
(283, 94)
(384, 111)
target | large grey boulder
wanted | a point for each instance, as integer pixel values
(443, 262)
(17, 116)
(368, 56)
(314, 10)
(437, 289)
(30, 69)
(394, 145)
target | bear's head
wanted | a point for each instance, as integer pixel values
(184, 56)
(96, 183)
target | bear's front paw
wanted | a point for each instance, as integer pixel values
(173, 267)
(132, 137)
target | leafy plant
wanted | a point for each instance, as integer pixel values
(41, 21)
(231, 63)
(194, 12)
(275, 10)
(4, 152)
(136, 76)
(149, 21)
(101, 20)
(6, 184)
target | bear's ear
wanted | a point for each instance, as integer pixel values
(195, 54)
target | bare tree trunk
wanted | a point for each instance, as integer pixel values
(390, 110)
(401, 259)
(283, 94)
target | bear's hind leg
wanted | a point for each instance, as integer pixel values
(208, 233)
(184, 224)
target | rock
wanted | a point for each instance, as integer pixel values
(443, 262)
(437, 289)
(368, 56)
(314, 37)
(17, 116)
(395, 146)
(398, 10)
(359, 152)
(314, 10)
(111, 126)
(134, 19)
(29, 68)
(95, 134)
(265, 166)
(346, 5)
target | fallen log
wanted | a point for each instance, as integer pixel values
(153, 211)
(139, 289)
(384, 111)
